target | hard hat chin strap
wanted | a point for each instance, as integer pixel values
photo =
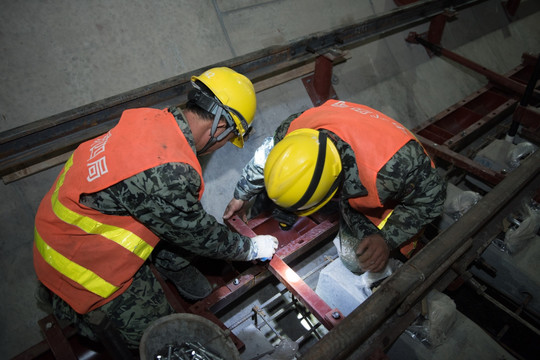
(214, 106)
(213, 139)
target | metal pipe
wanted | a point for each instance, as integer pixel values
(528, 298)
(480, 290)
(364, 320)
(262, 314)
(494, 77)
(416, 293)
(525, 99)
(395, 325)
(282, 292)
(303, 313)
(285, 309)
(313, 330)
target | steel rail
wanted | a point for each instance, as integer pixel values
(356, 328)
(51, 137)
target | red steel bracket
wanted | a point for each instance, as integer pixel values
(436, 29)
(56, 339)
(450, 131)
(306, 233)
(319, 85)
(325, 314)
(510, 7)
(529, 118)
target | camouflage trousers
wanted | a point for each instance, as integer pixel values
(131, 312)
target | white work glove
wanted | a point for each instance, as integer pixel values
(266, 246)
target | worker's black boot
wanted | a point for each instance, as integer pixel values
(189, 282)
(43, 297)
(177, 268)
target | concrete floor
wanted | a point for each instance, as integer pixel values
(58, 55)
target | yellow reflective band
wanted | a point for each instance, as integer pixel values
(382, 223)
(122, 237)
(86, 278)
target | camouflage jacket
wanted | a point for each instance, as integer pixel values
(165, 200)
(407, 178)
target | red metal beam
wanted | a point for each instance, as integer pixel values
(304, 234)
(437, 24)
(510, 7)
(492, 76)
(319, 308)
(461, 161)
(458, 125)
(529, 117)
(56, 339)
(319, 85)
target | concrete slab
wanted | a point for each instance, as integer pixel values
(517, 274)
(279, 22)
(61, 55)
(464, 341)
(19, 312)
(343, 290)
(256, 343)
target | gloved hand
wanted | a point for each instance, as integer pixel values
(266, 246)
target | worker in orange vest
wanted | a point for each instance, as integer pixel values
(124, 194)
(385, 184)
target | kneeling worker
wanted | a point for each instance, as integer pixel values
(121, 193)
(386, 185)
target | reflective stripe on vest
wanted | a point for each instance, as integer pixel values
(85, 277)
(383, 222)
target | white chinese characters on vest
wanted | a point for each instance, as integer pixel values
(97, 167)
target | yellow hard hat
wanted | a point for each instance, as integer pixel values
(236, 94)
(303, 171)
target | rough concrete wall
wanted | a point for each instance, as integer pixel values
(63, 54)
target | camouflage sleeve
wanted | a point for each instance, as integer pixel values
(409, 180)
(282, 129)
(165, 199)
(251, 181)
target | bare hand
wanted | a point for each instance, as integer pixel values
(372, 253)
(236, 207)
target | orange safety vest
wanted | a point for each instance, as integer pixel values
(374, 138)
(82, 255)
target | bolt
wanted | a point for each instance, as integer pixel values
(336, 315)
(236, 282)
